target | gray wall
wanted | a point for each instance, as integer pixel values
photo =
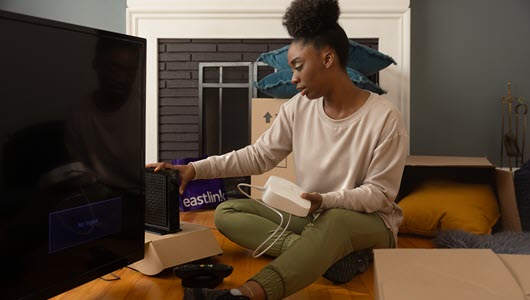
(463, 53)
(101, 14)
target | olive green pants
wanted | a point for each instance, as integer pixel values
(308, 247)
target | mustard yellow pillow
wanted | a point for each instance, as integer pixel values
(438, 205)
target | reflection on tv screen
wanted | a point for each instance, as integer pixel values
(71, 154)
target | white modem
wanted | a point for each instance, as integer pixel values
(284, 195)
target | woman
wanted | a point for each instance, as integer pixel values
(349, 148)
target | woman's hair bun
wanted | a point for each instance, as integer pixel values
(307, 18)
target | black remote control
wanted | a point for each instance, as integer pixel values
(202, 275)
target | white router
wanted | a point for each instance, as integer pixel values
(284, 195)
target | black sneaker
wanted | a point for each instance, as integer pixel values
(208, 294)
(349, 266)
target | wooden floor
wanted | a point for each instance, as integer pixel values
(134, 285)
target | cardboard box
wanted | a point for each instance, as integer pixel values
(455, 274)
(470, 169)
(264, 111)
(519, 266)
(415, 274)
(164, 251)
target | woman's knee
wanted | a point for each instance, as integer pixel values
(226, 212)
(221, 214)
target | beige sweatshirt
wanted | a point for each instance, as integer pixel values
(355, 163)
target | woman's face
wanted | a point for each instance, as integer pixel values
(308, 66)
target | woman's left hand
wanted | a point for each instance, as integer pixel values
(316, 200)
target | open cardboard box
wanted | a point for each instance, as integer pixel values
(465, 169)
(415, 274)
(164, 251)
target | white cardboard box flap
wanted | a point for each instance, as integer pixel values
(433, 274)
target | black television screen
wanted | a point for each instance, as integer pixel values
(72, 104)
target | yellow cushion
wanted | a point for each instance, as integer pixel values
(437, 205)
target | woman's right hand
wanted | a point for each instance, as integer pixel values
(186, 172)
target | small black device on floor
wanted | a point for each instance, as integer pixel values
(161, 201)
(202, 275)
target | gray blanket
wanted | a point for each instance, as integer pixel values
(501, 243)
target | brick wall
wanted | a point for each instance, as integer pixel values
(179, 80)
